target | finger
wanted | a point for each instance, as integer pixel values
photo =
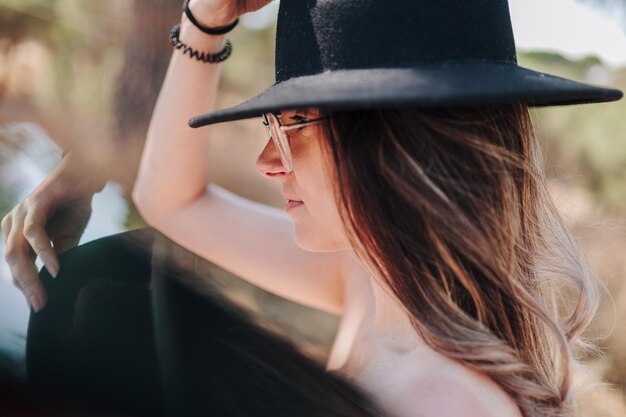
(32, 257)
(6, 227)
(23, 269)
(38, 238)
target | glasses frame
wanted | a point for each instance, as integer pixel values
(272, 122)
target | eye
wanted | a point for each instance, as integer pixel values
(299, 119)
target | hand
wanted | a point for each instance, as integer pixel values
(57, 210)
(216, 13)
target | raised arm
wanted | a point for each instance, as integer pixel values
(251, 240)
(172, 170)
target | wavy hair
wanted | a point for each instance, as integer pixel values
(450, 208)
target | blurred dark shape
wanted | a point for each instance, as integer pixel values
(124, 332)
(95, 338)
(19, 398)
(146, 55)
(33, 19)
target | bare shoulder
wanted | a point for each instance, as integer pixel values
(446, 388)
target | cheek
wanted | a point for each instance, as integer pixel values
(314, 171)
(320, 229)
(321, 201)
(311, 172)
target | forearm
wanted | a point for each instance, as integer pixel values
(172, 170)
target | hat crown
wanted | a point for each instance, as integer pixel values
(349, 54)
(314, 36)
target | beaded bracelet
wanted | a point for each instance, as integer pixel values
(200, 56)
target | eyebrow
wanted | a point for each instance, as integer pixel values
(304, 110)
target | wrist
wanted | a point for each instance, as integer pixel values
(206, 17)
(198, 39)
(85, 177)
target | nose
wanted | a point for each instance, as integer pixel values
(268, 162)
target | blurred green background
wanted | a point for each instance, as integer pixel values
(88, 72)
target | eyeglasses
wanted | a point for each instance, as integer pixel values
(278, 133)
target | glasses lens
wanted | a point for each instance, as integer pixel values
(281, 141)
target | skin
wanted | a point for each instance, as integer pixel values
(52, 218)
(376, 344)
(56, 212)
(317, 223)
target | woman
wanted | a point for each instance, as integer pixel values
(414, 186)
(415, 193)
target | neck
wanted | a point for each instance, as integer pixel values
(390, 318)
(386, 315)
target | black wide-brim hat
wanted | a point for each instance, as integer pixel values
(347, 54)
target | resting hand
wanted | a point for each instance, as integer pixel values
(57, 210)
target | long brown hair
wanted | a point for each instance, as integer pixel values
(450, 207)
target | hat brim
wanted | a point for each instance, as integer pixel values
(443, 84)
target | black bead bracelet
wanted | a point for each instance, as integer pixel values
(200, 56)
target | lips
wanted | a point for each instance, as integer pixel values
(289, 198)
(290, 204)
